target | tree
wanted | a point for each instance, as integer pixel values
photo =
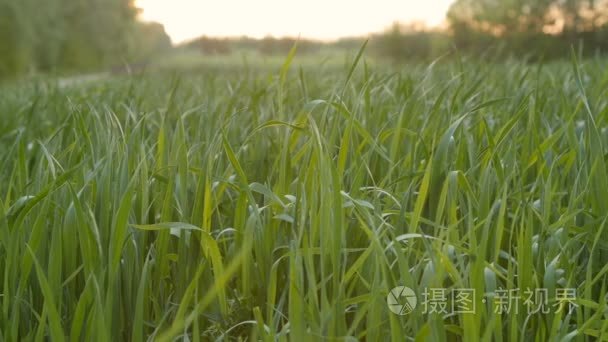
(15, 38)
(72, 34)
(405, 42)
(97, 32)
(149, 38)
(510, 17)
(546, 26)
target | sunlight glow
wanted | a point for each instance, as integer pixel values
(317, 19)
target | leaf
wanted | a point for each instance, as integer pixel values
(166, 225)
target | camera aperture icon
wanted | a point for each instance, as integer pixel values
(401, 300)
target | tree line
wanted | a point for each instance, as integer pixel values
(57, 35)
(539, 29)
(536, 29)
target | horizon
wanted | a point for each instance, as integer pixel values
(185, 20)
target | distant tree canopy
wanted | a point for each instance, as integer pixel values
(409, 42)
(211, 46)
(523, 16)
(550, 26)
(72, 34)
(265, 46)
(148, 38)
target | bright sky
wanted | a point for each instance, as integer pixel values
(319, 19)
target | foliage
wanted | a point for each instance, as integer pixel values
(540, 28)
(147, 40)
(211, 46)
(233, 203)
(72, 35)
(410, 43)
(267, 46)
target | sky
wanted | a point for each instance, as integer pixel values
(316, 19)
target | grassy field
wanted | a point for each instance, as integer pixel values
(285, 203)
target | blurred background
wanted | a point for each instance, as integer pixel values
(83, 36)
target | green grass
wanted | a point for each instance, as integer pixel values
(285, 203)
